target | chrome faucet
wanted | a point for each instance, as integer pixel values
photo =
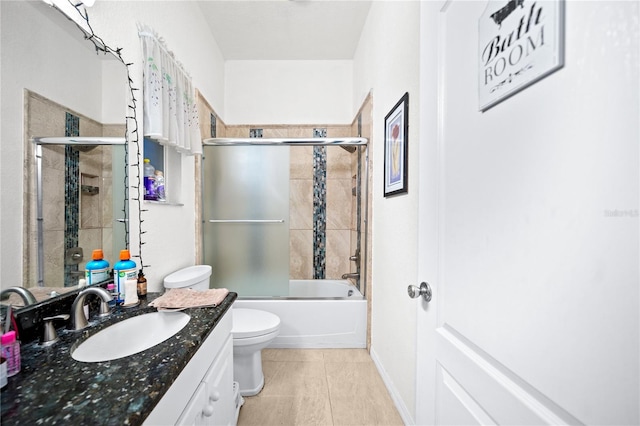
(78, 318)
(354, 275)
(26, 295)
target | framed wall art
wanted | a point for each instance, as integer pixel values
(396, 144)
(520, 43)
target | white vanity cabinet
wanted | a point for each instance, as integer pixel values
(213, 403)
(203, 392)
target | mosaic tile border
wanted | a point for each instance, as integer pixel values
(71, 195)
(319, 206)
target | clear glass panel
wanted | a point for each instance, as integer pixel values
(246, 189)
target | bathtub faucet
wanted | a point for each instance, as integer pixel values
(353, 275)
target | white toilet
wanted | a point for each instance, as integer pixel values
(252, 331)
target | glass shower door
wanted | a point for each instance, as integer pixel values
(246, 218)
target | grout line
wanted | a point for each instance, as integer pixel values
(326, 380)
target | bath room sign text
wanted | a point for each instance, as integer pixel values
(519, 43)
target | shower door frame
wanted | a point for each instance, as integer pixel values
(78, 141)
(362, 146)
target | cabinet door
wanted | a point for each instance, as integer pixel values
(195, 413)
(219, 385)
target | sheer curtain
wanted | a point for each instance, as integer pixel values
(170, 111)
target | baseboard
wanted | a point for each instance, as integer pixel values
(407, 417)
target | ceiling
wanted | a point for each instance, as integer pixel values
(286, 29)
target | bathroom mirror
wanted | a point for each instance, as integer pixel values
(69, 90)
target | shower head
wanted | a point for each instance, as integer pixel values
(84, 148)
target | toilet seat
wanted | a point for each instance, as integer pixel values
(249, 323)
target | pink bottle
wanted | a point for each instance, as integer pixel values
(11, 351)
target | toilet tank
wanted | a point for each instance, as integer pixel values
(196, 277)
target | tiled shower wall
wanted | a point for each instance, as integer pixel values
(321, 240)
(320, 201)
(92, 216)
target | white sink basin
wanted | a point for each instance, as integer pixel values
(130, 336)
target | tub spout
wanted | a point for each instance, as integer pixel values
(353, 275)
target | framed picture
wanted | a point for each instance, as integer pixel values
(520, 42)
(396, 144)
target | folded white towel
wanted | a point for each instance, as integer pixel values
(182, 298)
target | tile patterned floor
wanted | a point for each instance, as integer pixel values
(319, 387)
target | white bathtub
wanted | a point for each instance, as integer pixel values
(317, 314)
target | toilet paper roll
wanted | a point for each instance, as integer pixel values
(130, 292)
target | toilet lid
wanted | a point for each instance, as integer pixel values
(252, 323)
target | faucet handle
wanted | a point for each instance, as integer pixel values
(50, 336)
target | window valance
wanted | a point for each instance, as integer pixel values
(170, 110)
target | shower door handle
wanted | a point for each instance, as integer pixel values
(424, 290)
(246, 220)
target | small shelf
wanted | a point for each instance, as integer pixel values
(166, 203)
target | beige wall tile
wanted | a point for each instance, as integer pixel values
(106, 195)
(337, 258)
(53, 258)
(90, 240)
(301, 254)
(113, 130)
(300, 132)
(90, 211)
(237, 132)
(339, 203)
(339, 131)
(44, 118)
(301, 204)
(53, 199)
(301, 159)
(274, 132)
(89, 127)
(338, 163)
(107, 247)
(91, 162)
(52, 158)
(107, 162)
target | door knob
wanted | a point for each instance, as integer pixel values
(424, 290)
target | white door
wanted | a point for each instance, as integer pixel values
(529, 228)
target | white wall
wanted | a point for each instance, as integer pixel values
(387, 62)
(288, 92)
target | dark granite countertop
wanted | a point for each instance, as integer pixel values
(53, 388)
